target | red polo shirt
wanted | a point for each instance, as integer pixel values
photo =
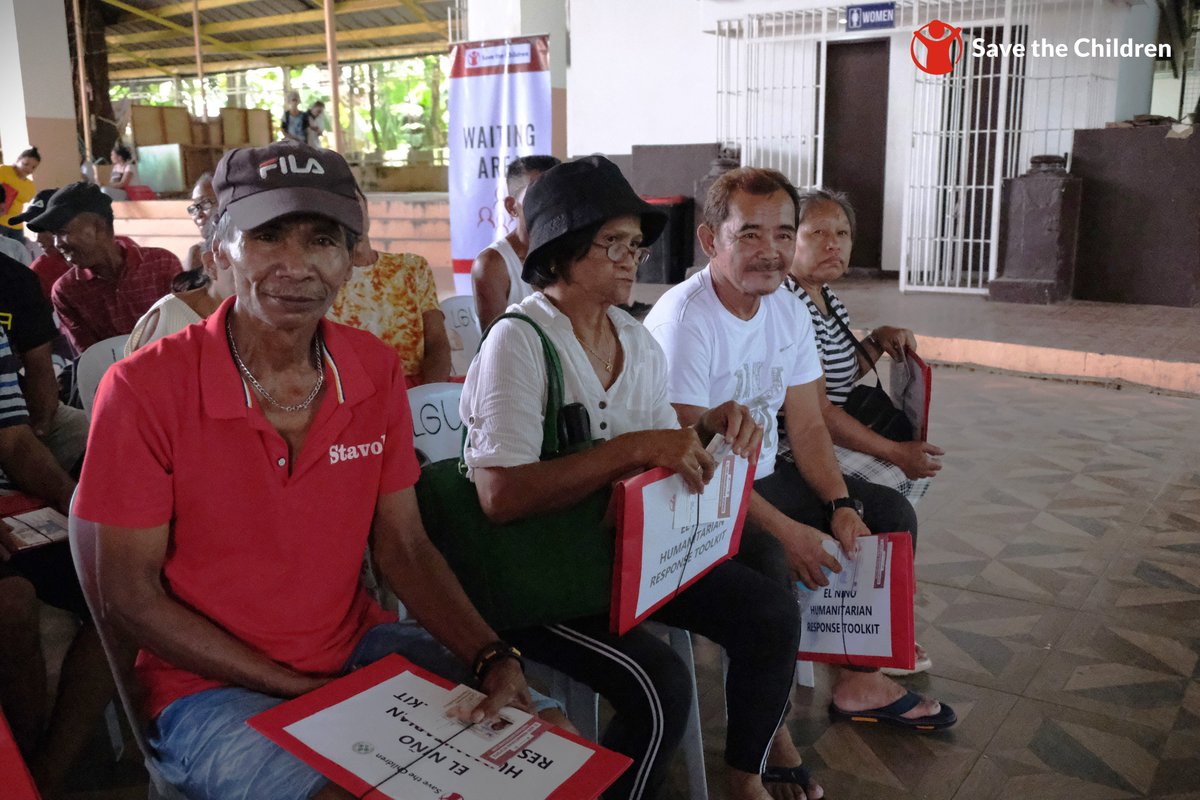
(92, 308)
(49, 267)
(274, 559)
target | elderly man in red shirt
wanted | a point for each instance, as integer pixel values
(114, 281)
(232, 528)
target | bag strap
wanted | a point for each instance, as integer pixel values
(554, 383)
(841, 323)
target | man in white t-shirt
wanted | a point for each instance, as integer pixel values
(729, 335)
(496, 276)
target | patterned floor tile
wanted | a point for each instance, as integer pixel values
(984, 640)
(1143, 673)
(1048, 751)
(1148, 583)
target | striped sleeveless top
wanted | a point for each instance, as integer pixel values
(834, 346)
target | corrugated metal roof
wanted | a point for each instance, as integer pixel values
(239, 34)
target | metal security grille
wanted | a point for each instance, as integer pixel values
(970, 129)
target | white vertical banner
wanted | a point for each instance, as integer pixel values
(499, 111)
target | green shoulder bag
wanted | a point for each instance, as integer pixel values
(540, 570)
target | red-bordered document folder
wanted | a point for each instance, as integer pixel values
(388, 719)
(911, 385)
(14, 775)
(668, 538)
(864, 617)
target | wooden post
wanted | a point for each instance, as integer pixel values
(199, 57)
(85, 104)
(335, 101)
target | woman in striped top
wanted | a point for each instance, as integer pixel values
(823, 244)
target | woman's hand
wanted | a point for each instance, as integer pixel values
(735, 422)
(917, 459)
(679, 450)
(895, 340)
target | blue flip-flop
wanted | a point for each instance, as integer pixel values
(892, 714)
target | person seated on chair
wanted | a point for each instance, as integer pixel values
(204, 200)
(29, 320)
(823, 245)
(728, 333)
(124, 172)
(175, 311)
(240, 604)
(44, 574)
(496, 274)
(113, 281)
(393, 295)
(588, 233)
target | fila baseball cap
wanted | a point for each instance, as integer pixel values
(34, 208)
(255, 185)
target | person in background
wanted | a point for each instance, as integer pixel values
(394, 297)
(17, 189)
(113, 281)
(182, 307)
(44, 574)
(27, 318)
(204, 200)
(316, 123)
(496, 274)
(124, 171)
(294, 124)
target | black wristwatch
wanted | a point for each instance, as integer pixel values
(846, 502)
(492, 653)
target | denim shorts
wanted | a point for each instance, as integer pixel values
(207, 751)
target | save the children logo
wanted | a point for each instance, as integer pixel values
(936, 47)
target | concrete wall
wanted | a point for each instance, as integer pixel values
(400, 223)
(641, 73)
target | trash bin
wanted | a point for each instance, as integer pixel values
(671, 255)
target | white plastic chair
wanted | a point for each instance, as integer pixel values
(437, 428)
(462, 326)
(92, 365)
(84, 539)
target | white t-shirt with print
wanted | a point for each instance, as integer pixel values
(712, 356)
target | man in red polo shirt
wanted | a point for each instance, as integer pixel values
(237, 470)
(114, 281)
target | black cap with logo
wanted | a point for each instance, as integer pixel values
(255, 185)
(66, 204)
(34, 207)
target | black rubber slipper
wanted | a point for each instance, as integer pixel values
(799, 776)
(891, 714)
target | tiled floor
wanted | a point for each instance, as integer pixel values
(1059, 597)
(1059, 570)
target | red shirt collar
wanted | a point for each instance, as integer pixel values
(132, 257)
(225, 394)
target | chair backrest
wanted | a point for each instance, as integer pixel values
(437, 428)
(92, 365)
(462, 326)
(84, 537)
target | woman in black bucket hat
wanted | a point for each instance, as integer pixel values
(588, 234)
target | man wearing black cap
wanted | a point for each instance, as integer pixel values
(237, 471)
(114, 281)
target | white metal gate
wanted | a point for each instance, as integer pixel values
(970, 129)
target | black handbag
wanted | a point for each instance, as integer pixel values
(541, 570)
(871, 405)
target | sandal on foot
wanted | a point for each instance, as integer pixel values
(799, 776)
(892, 714)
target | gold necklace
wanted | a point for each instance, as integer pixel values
(608, 364)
